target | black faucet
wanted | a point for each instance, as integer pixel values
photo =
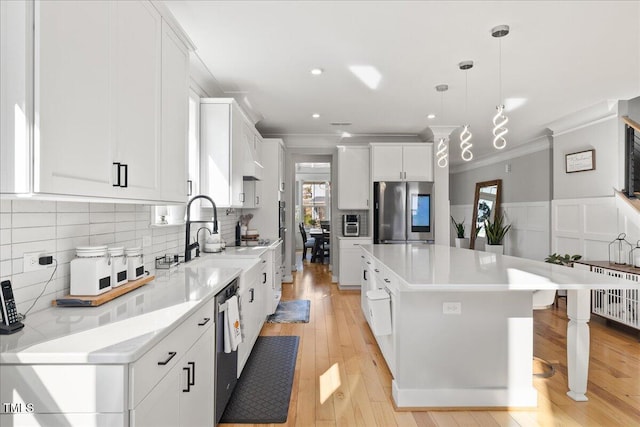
(189, 247)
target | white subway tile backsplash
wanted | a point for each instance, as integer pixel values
(33, 206)
(19, 249)
(22, 235)
(98, 217)
(65, 231)
(69, 218)
(102, 228)
(72, 207)
(5, 220)
(60, 227)
(22, 220)
(102, 239)
(125, 226)
(5, 205)
(72, 243)
(102, 207)
(5, 236)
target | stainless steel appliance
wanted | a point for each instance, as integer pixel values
(226, 366)
(282, 229)
(351, 225)
(403, 212)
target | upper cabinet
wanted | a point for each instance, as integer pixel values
(402, 162)
(222, 151)
(253, 167)
(110, 102)
(353, 177)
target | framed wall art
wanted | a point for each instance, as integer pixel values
(580, 161)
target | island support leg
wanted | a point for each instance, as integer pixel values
(579, 312)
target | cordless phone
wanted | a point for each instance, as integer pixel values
(10, 322)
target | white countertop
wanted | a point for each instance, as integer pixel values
(121, 330)
(427, 267)
(244, 251)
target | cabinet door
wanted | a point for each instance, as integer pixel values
(215, 152)
(418, 162)
(349, 266)
(386, 163)
(137, 83)
(248, 313)
(252, 194)
(281, 173)
(175, 95)
(353, 178)
(196, 383)
(238, 145)
(73, 104)
(161, 407)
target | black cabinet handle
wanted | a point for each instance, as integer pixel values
(364, 274)
(116, 171)
(369, 262)
(188, 389)
(264, 278)
(189, 187)
(204, 321)
(362, 256)
(172, 354)
(126, 175)
(252, 294)
(376, 270)
(387, 281)
(192, 380)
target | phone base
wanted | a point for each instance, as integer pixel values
(10, 329)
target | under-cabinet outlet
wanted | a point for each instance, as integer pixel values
(451, 308)
(31, 261)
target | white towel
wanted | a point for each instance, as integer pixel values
(233, 335)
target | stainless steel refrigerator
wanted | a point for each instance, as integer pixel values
(403, 212)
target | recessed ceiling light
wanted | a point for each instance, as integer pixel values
(431, 116)
(317, 71)
(315, 115)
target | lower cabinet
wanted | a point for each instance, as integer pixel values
(251, 302)
(184, 397)
(349, 261)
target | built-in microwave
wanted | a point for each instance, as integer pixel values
(351, 225)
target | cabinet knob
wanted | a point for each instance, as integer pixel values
(172, 354)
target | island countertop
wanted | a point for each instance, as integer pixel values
(121, 330)
(428, 267)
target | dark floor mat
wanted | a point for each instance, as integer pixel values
(263, 391)
(292, 311)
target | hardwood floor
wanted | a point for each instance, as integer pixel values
(341, 378)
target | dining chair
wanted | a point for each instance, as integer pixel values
(306, 243)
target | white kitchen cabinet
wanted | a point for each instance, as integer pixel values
(222, 151)
(350, 266)
(175, 117)
(253, 168)
(251, 295)
(97, 128)
(353, 177)
(266, 219)
(402, 162)
(184, 397)
(252, 194)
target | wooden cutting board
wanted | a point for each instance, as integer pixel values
(97, 300)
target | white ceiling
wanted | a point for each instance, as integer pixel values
(560, 57)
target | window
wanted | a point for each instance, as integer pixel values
(316, 202)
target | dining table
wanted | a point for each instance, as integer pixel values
(321, 237)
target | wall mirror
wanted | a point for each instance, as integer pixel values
(485, 205)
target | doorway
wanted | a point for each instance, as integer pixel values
(312, 212)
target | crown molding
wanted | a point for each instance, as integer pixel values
(532, 146)
(601, 111)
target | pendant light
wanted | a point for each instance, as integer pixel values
(465, 135)
(500, 120)
(442, 150)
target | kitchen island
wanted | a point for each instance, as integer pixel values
(461, 324)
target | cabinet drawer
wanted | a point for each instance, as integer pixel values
(353, 243)
(146, 372)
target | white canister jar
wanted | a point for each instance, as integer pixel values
(135, 264)
(90, 271)
(119, 267)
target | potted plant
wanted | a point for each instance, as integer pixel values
(565, 259)
(461, 241)
(495, 232)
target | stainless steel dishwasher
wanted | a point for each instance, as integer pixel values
(226, 366)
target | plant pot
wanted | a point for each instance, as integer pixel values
(496, 249)
(462, 242)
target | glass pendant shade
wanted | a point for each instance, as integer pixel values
(619, 250)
